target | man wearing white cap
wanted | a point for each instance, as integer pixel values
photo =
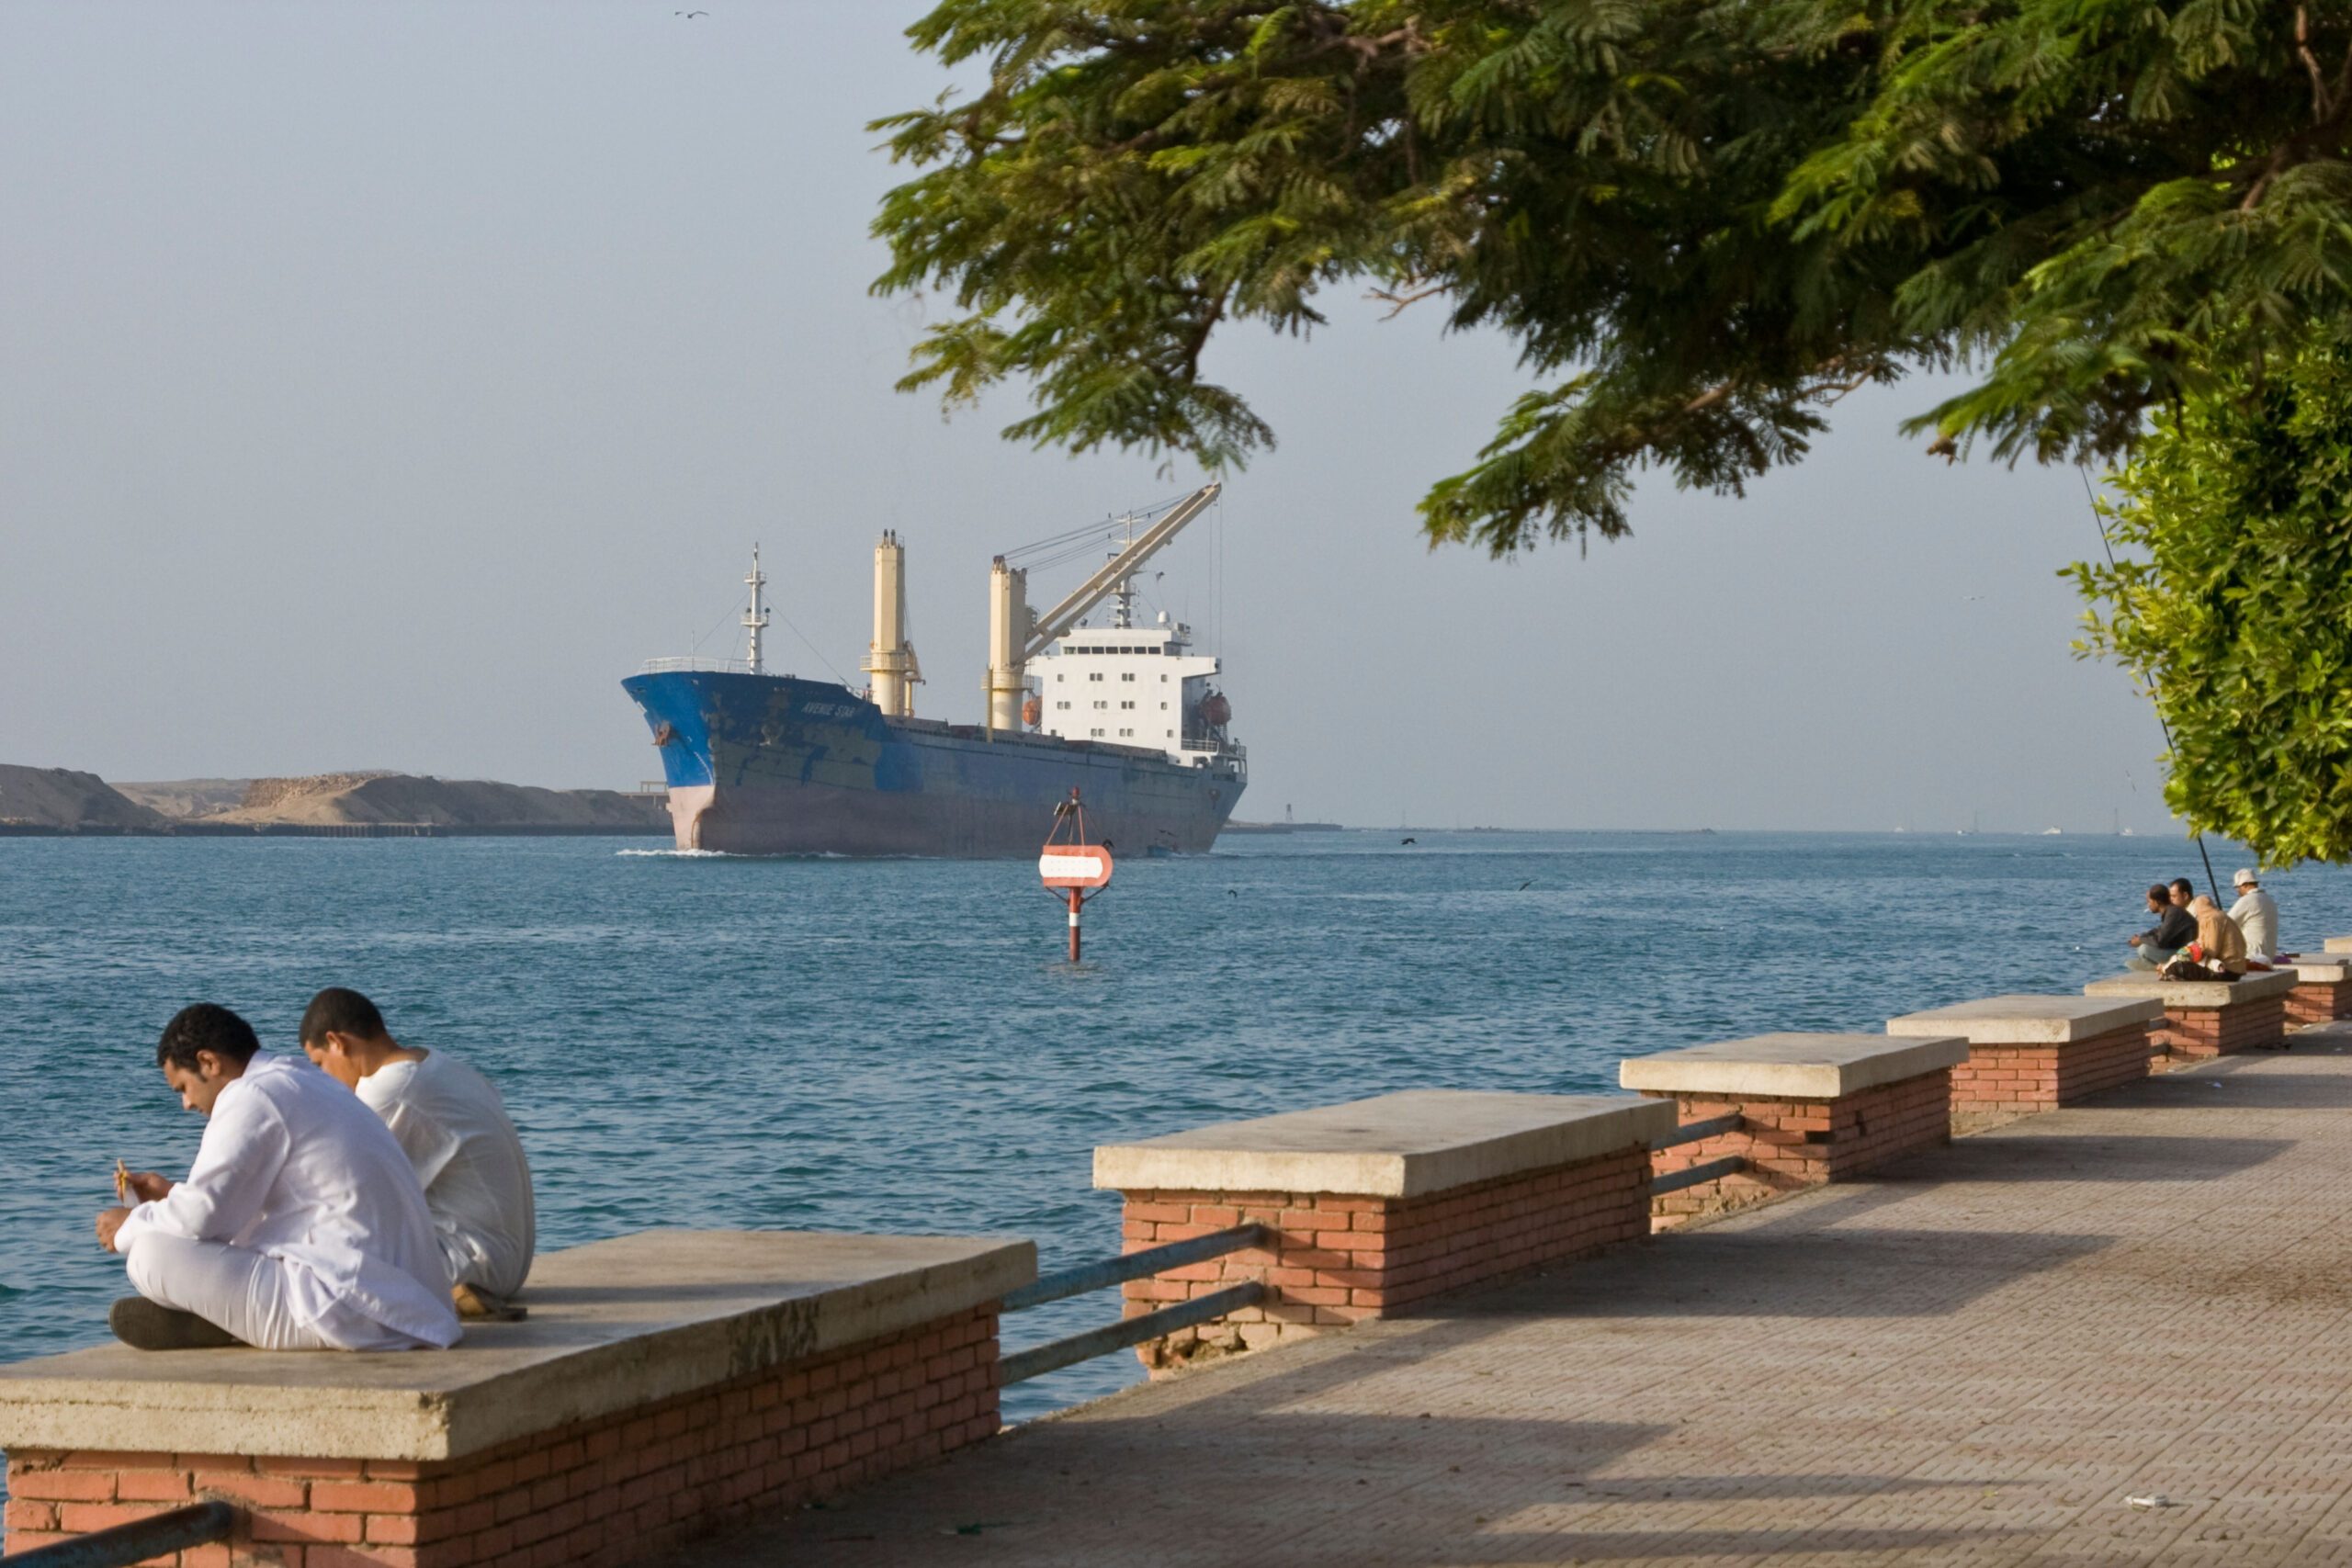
(2257, 914)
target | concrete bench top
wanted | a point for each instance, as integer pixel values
(2339, 944)
(1392, 1145)
(2196, 993)
(2028, 1021)
(2318, 966)
(613, 1327)
(1792, 1066)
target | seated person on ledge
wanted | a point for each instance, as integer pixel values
(455, 1131)
(2220, 944)
(2256, 913)
(2175, 929)
(300, 1225)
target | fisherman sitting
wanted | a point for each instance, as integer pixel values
(2175, 929)
(453, 1128)
(300, 1225)
(2220, 944)
(2256, 913)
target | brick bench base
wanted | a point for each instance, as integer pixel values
(2318, 1001)
(1341, 1260)
(599, 1492)
(1794, 1144)
(2197, 1034)
(2023, 1078)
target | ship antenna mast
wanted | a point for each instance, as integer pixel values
(756, 619)
(1123, 597)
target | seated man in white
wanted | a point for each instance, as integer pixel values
(300, 1225)
(455, 1129)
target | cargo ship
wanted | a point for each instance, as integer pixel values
(1126, 714)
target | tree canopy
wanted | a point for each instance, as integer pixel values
(2238, 621)
(1701, 221)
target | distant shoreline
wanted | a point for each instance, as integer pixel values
(64, 802)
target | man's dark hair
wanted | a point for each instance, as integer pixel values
(205, 1026)
(2184, 885)
(341, 1010)
(2159, 892)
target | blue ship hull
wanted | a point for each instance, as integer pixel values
(773, 764)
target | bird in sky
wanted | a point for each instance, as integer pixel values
(1412, 841)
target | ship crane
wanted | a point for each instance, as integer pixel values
(1016, 635)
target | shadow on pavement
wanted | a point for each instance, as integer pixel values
(2113, 1157)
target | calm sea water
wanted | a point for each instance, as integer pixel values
(896, 1046)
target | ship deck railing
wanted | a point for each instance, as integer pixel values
(692, 662)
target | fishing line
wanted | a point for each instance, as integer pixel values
(2092, 496)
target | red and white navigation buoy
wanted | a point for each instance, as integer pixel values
(1069, 864)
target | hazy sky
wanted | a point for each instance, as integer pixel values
(378, 386)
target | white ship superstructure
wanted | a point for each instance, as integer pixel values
(1132, 686)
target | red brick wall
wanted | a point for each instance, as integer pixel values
(599, 1492)
(2026, 1077)
(2318, 1001)
(1336, 1261)
(1793, 1144)
(2196, 1034)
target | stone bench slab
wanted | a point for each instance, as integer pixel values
(2028, 1021)
(2339, 944)
(614, 1325)
(1791, 1066)
(1392, 1145)
(2196, 993)
(2317, 968)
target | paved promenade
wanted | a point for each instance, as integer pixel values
(1975, 1359)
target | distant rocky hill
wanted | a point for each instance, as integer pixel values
(461, 804)
(188, 797)
(60, 800)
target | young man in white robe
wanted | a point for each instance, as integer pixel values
(455, 1129)
(300, 1225)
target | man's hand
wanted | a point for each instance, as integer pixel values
(109, 1222)
(146, 1187)
(2129, 941)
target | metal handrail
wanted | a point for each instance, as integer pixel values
(1699, 1131)
(1714, 1170)
(1055, 1354)
(1075, 1281)
(1060, 1285)
(120, 1546)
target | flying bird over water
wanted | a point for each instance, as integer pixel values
(1412, 841)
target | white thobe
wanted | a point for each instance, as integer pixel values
(455, 1129)
(300, 1219)
(2257, 915)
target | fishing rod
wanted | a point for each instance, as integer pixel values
(2092, 496)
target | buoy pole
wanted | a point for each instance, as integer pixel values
(1076, 899)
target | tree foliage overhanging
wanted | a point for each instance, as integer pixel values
(2232, 603)
(1700, 220)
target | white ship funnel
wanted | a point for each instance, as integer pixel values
(1008, 643)
(890, 659)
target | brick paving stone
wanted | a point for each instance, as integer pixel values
(1972, 1358)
